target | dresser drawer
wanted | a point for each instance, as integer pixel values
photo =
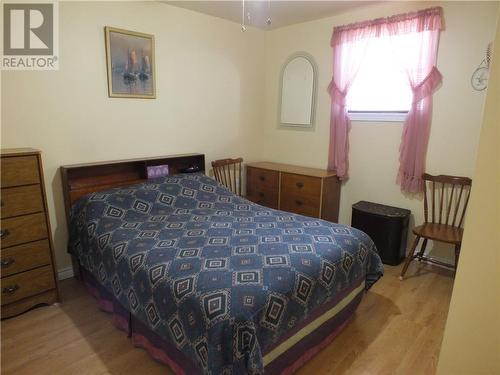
(24, 257)
(21, 229)
(21, 200)
(268, 198)
(262, 179)
(308, 191)
(300, 185)
(19, 170)
(26, 284)
(300, 204)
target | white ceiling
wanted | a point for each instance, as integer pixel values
(282, 13)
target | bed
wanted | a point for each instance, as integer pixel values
(206, 281)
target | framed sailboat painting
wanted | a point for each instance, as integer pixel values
(130, 58)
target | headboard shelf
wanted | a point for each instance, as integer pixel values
(143, 160)
(81, 179)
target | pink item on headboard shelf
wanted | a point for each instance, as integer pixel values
(156, 171)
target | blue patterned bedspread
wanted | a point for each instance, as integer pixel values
(197, 263)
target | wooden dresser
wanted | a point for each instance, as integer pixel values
(28, 275)
(307, 191)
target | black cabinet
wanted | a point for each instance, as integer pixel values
(387, 226)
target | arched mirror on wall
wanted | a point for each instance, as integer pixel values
(297, 94)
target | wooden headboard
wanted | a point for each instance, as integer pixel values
(81, 179)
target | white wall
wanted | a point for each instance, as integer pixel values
(209, 82)
(471, 343)
(374, 146)
(217, 94)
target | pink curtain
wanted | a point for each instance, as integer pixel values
(348, 53)
(417, 59)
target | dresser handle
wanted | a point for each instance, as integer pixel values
(299, 203)
(4, 233)
(1, 203)
(7, 262)
(261, 194)
(10, 289)
(262, 178)
(300, 185)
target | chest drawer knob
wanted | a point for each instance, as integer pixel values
(300, 185)
(7, 262)
(298, 203)
(262, 178)
(1, 203)
(261, 194)
(4, 233)
(11, 289)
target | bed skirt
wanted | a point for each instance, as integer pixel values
(297, 348)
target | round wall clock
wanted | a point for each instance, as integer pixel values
(479, 78)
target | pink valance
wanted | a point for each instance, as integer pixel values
(412, 22)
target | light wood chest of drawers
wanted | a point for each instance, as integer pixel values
(307, 191)
(28, 273)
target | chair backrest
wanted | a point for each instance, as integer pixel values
(448, 196)
(228, 173)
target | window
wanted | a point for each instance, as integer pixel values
(395, 59)
(381, 91)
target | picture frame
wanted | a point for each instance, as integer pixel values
(130, 62)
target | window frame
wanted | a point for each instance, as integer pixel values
(378, 116)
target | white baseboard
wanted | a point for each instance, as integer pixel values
(65, 273)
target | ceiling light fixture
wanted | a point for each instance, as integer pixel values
(243, 28)
(268, 21)
(248, 16)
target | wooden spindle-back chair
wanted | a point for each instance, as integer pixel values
(228, 173)
(445, 203)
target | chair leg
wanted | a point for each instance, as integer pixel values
(422, 250)
(457, 255)
(410, 257)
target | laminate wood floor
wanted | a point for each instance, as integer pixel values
(397, 329)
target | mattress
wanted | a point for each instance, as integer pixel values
(220, 284)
